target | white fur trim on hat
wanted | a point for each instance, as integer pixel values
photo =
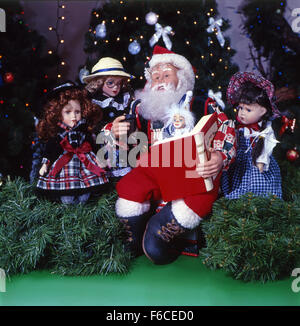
(184, 215)
(127, 208)
(179, 62)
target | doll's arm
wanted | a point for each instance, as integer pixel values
(263, 161)
(51, 152)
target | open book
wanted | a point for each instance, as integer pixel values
(172, 162)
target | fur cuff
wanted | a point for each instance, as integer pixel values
(127, 208)
(184, 215)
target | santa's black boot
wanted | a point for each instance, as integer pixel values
(159, 241)
(134, 225)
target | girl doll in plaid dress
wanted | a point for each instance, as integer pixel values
(109, 88)
(70, 169)
(255, 169)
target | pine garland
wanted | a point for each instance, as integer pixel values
(255, 238)
(69, 240)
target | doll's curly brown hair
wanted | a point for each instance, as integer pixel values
(48, 125)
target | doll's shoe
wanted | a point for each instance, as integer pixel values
(159, 241)
(134, 227)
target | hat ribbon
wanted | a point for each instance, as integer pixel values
(108, 69)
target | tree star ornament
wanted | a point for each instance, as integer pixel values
(214, 27)
(162, 32)
(217, 97)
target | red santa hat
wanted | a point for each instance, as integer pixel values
(161, 55)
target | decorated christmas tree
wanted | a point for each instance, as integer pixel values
(128, 31)
(275, 51)
(23, 83)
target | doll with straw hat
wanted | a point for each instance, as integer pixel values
(108, 84)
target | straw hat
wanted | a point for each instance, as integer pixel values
(107, 66)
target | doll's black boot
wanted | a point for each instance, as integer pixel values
(134, 228)
(159, 241)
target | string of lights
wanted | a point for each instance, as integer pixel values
(104, 39)
(58, 29)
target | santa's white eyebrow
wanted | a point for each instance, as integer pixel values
(163, 69)
(154, 72)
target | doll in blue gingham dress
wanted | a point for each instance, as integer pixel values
(255, 170)
(70, 169)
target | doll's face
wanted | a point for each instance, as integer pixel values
(112, 86)
(164, 77)
(178, 121)
(71, 113)
(250, 113)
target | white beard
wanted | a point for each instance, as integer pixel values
(155, 104)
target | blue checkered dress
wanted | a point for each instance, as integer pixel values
(243, 176)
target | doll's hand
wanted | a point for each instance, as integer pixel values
(120, 127)
(212, 167)
(260, 167)
(43, 169)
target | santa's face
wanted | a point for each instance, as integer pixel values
(164, 77)
(162, 90)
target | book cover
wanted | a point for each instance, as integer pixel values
(172, 162)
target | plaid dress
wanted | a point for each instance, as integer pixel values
(76, 176)
(243, 176)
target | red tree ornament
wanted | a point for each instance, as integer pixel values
(292, 154)
(8, 77)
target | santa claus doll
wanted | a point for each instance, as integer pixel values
(170, 77)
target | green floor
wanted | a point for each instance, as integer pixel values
(185, 282)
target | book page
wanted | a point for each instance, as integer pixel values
(200, 124)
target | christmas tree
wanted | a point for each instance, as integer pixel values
(275, 53)
(23, 84)
(128, 31)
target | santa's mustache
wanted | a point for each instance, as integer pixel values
(163, 86)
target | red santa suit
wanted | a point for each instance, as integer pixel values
(139, 188)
